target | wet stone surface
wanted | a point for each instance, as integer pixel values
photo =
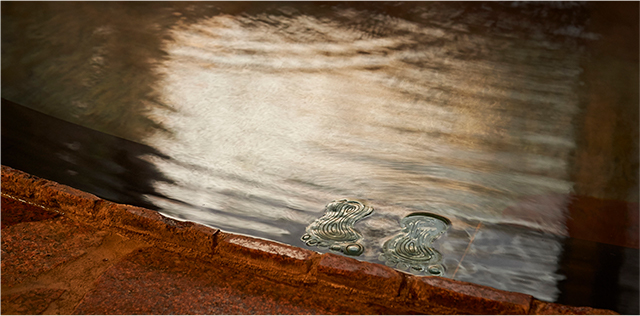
(377, 280)
(32, 302)
(544, 308)
(153, 281)
(465, 297)
(22, 212)
(29, 249)
(269, 259)
(155, 278)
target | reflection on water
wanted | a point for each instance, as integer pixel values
(107, 166)
(467, 111)
(350, 112)
(72, 60)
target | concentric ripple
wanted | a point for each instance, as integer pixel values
(335, 229)
(411, 249)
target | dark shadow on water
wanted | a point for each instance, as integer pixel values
(93, 64)
(600, 276)
(105, 165)
(600, 259)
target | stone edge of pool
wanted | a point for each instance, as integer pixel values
(322, 273)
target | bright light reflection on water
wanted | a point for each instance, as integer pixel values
(277, 115)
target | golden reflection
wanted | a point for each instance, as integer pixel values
(338, 108)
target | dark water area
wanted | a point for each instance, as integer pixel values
(599, 275)
(80, 157)
(515, 125)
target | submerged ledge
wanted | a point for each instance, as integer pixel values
(287, 275)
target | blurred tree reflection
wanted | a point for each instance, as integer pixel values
(93, 64)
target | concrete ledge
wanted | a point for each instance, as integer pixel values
(328, 274)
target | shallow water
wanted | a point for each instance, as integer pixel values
(253, 117)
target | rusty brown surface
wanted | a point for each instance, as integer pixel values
(22, 212)
(270, 259)
(544, 308)
(150, 223)
(33, 301)
(378, 280)
(122, 259)
(604, 221)
(606, 156)
(466, 297)
(29, 249)
(155, 281)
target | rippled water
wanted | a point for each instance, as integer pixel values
(262, 114)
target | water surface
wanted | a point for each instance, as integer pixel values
(254, 116)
